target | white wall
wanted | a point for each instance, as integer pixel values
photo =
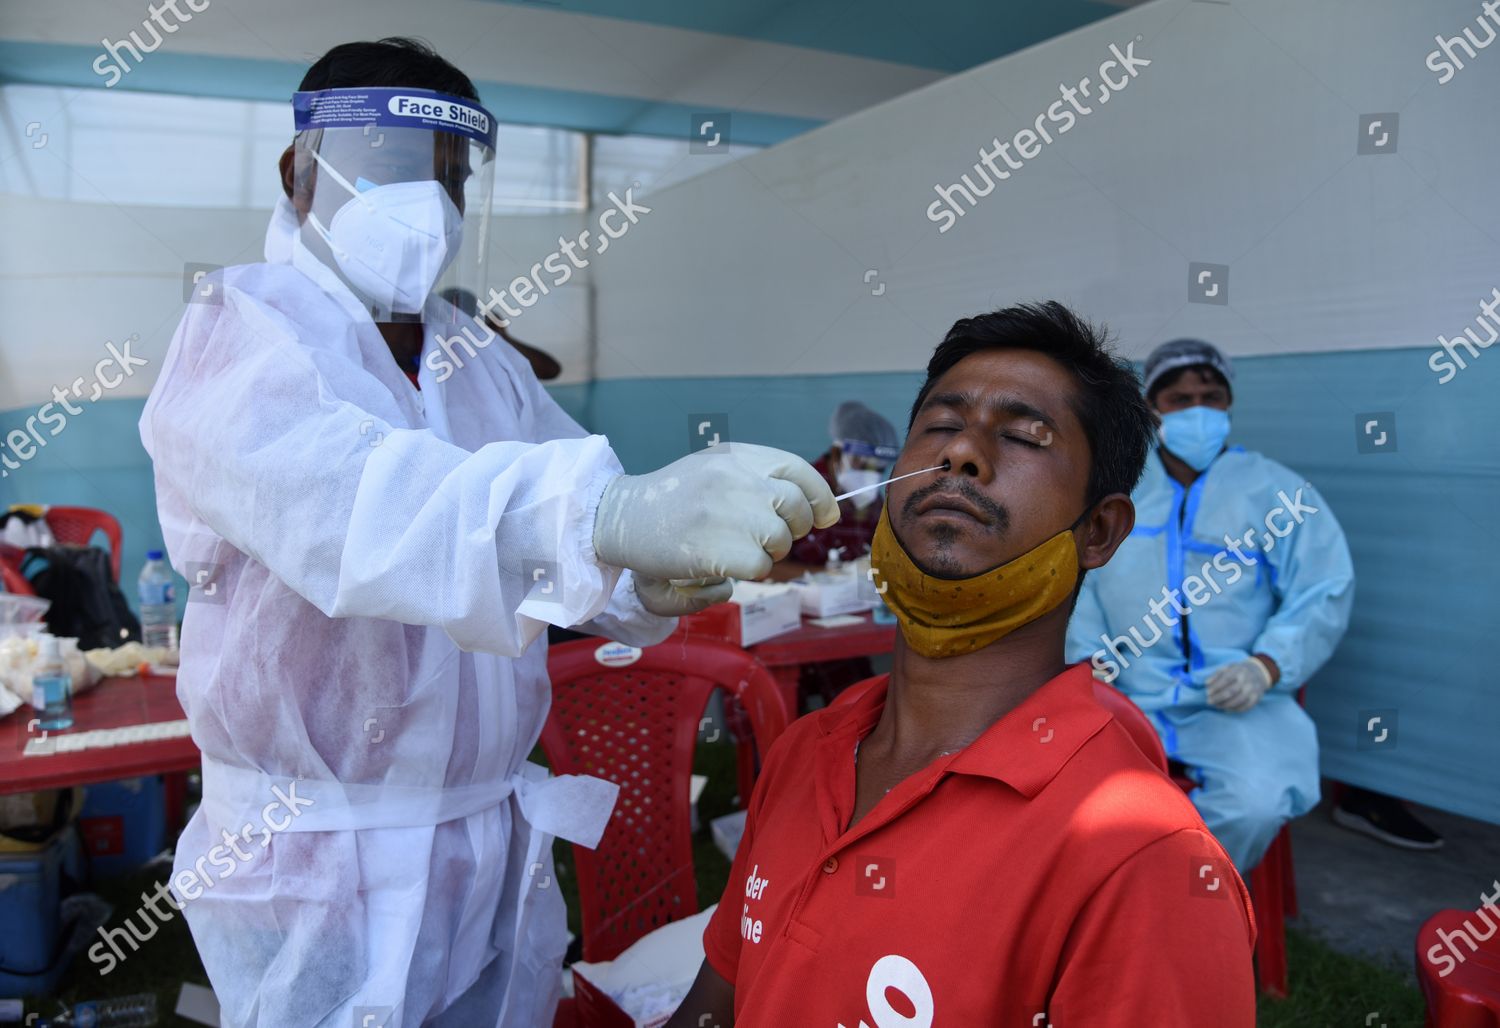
(1236, 146)
(74, 274)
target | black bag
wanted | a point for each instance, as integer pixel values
(87, 605)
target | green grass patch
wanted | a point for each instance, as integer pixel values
(1328, 988)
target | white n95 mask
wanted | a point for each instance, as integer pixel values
(393, 242)
(850, 479)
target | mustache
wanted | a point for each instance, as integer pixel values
(963, 487)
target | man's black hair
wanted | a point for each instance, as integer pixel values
(1208, 371)
(1115, 418)
(393, 62)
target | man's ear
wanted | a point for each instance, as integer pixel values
(1103, 530)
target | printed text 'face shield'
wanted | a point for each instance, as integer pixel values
(393, 190)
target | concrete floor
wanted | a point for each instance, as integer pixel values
(1366, 898)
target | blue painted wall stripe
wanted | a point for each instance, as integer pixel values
(1420, 521)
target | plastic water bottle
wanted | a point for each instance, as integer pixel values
(125, 1012)
(52, 686)
(158, 594)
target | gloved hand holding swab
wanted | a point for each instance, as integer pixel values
(864, 489)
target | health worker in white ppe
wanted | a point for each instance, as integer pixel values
(1229, 594)
(375, 553)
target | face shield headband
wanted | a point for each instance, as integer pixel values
(400, 184)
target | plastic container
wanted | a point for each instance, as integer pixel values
(51, 687)
(21, 615)
(120, 1012)
(157, 590)
(29, 911)
(123, 823)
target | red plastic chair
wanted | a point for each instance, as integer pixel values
(10, 571)
(637, 726)
(1272, 883)
(1467, 995)
(75, 526)
(1273, 894)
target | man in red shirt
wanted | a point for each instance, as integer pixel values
(974, 840)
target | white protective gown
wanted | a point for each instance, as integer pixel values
(365, 632)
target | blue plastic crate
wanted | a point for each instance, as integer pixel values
(123, 823)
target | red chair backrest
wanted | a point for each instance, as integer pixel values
(75, 526)
(10, 571)
(637, 726)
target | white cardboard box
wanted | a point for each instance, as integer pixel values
(766, 611)
(826, 593)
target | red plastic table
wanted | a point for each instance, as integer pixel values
(785, 654)
(113, 703)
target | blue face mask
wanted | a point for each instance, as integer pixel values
(1196, 434)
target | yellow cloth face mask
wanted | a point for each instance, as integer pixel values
(947, 617)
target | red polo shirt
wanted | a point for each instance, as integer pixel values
(1047, 873)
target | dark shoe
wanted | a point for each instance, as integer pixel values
(1385, 818)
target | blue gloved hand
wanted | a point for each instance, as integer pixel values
(1239, 686)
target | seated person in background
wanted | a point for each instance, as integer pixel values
(863, 449)
(1234, 588)
(543, 364)
(973, 840)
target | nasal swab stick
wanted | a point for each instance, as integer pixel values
(864, 489)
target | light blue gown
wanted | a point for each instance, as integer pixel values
(1286, 592)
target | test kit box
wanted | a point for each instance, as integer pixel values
(757, 612)
(765, 611)
(827, 593)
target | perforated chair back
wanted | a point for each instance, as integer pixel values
(75, 526)
(637, 725)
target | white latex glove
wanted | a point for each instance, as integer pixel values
(666, 598)
(1238, 686)
(726, 512)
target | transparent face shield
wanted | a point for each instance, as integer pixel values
(392, 188)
